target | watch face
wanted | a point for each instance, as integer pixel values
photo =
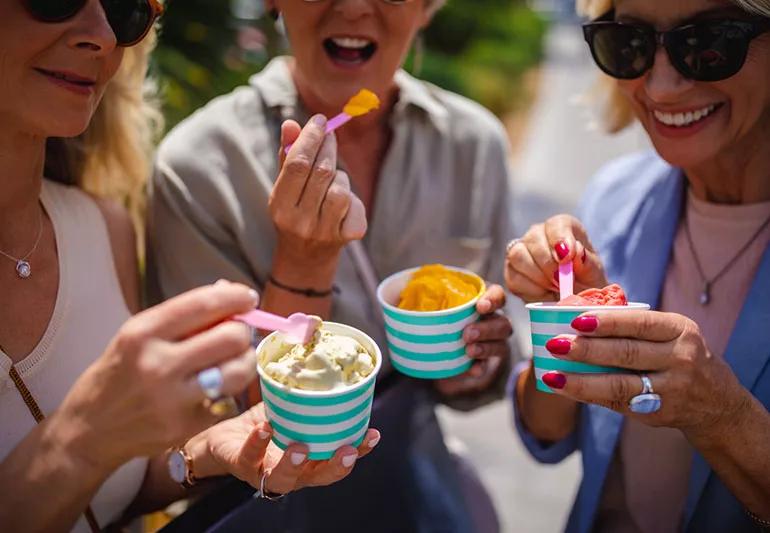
(177, 468)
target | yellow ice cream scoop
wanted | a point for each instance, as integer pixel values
(436, 288)
(362, 103)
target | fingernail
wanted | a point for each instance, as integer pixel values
(555, 380)
(585, 324)
(298, 458)
(476, 371)
(473, 334)
(349, 460)
(221, 282)
(556, 276)
(474, 351)
(562, 250)
(484, 306)
(584, 257)
(262, 434)
(319, 120)
(558, 346)
(374, 442)
(254, 296)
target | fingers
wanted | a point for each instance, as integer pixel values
(299, 162)
(613, 391)
(336, 205)
(283, 478)
(340, 465)
(354, 225)
(478, 379)
(524, 276)
(624, 353)
(562, 233)
(643, 325)
(238, 373)
(290, 130)
(213, 347)
(191, 312)
(371, 440)
(255, 446)
(492, 300)
(495, 327)
(321, 177)
(541, 251)
(488, 350)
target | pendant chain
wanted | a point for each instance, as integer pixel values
(23, 268)
(705, 296)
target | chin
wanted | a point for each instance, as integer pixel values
(685, 155)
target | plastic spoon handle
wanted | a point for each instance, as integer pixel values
(566, 280)
(264, 320)
(331, 125)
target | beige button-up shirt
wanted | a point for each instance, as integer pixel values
(442, 196)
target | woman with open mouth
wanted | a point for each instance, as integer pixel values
(423, 179)
(678, 440)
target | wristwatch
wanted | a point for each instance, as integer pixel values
(180, 467)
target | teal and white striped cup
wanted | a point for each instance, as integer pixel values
(323, 420)
(426, 344)
(549, 320)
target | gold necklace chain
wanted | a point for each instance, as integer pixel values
(23, 268)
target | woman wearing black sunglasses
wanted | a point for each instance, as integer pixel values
(680, 439)
(84, 436)
(427, 173)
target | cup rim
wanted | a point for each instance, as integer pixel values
(443, 312)
(323, 394)
(551, 306)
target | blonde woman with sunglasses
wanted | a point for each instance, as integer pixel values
(679, 439)
(92, 399)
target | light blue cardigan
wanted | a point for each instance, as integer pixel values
(631, 211)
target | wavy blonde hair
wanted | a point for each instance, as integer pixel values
(616, 113)
(113, 157)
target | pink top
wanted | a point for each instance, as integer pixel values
(647, 484)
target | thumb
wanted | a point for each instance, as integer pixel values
(290, 131)
(253, 450)
(354, 225)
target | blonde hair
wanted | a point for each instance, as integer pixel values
(434, 5)
(113, 157)
(616, 113)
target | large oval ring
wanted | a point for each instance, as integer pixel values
(211, 382)
(647, 402)
(510, 245)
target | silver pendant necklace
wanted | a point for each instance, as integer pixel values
(23, 268)
(705, 295)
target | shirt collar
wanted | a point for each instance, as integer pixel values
(278, 92)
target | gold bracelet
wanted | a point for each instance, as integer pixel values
(763, 524)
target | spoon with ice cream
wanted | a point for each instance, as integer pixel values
(360, 104)
(299, 327)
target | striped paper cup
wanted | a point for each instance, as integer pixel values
(323, 420)
(426, 344)
(549, 320)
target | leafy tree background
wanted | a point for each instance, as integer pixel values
(479, 48)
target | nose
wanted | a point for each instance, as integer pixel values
(354, 9)
(664, 84)
(91, 31)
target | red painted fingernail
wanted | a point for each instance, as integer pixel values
(558, 346)
(556, 277)
(555, 380)
(562, 250)
(584, 257)
(585, 324)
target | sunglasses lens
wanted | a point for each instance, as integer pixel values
(53, 10)
(622, 51)
(710, 51)
(129, 19)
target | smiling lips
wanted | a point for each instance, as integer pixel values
(684, 119)
(350, 50)
(69, 80)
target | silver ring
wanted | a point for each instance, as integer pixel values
(262, 492)
(211, 382)
(647, 402)
(510, 245)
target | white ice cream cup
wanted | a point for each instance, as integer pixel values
(323, 420)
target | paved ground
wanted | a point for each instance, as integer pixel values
(561, 152)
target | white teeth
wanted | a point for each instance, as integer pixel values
(351, 42)
(683, 119)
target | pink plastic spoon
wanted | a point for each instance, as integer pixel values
(299, 327)
(566, 281)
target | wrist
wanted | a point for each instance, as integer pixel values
(77, 446)
(203, 461)
(314, 272)
(737, 416)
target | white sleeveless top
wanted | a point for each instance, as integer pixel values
(89, 310)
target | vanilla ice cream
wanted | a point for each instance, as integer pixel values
(330, 361)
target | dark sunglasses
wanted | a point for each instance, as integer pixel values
(130, 20)
(710, 50)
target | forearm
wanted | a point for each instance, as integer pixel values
(738, 453)
(47, 481)
(548, 417)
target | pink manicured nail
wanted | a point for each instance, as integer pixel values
(297, 458)
(585, 324)
(374, 442)
(349, 460)
(319, 120)
(555, 380)
(558, 346)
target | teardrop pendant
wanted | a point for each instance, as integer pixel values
(23, 269)
(705, 296)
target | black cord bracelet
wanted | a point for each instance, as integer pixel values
(308, 293)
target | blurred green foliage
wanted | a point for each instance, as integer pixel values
(479, 48)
